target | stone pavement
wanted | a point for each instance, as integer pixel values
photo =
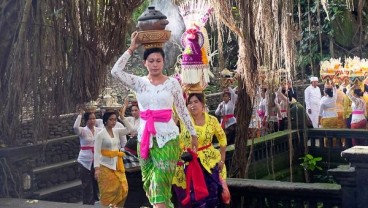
(29, 203)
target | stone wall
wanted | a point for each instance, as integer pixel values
(60, 126)
(47, 165)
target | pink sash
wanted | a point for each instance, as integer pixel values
(87, 148)
(151, 116)
(358, 112)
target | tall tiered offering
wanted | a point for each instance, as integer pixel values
(151, 29)
(355, 69)
(195, 68)
(330, 69)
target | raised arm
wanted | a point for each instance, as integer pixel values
(280, 95)
(128, 127)
(350, 95)
(130, 80)
(77, 129)
(117, 71)
(219, 108)
(334, 92)
(234, 96)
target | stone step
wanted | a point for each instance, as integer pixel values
(54, 166)
(46, 192)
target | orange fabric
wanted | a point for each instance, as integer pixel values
(113, 187)
(204, 56)
(116, 153)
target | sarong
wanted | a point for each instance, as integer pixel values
(341, 124)
(158, 171)
(360, 125)
(214, 189)
(113, 187)
(330, 123)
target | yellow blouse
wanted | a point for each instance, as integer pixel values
(365, 97)
(347, 107)
(210, 156)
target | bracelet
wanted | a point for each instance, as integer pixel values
(222, 162)
(130, 51)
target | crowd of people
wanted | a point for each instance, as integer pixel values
(341, 106)
(177, 155)
(154, 138)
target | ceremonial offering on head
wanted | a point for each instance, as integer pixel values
(151, 29)
(354, 70)
(271, 79)
(195, 68)
(90, 107)
(109, 102)
(227, 78)
(330, 69)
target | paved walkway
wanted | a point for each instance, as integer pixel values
(29, 203)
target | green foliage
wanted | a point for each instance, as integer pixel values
(137, 12)
(212, 89)
(310, 163)
(309, 48)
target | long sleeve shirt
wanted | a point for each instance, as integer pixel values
(312, 97)
(155, 97)
(228, 108)
(328, 106)
(86, 139)
(135, 124)
(103, 140)
(283, 102)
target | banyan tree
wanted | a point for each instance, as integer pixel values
(264, 34)
(53, 55)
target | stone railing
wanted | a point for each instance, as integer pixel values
(353, 177)
(329, 143)
(271, 152)
(350, 192)
(265, 193)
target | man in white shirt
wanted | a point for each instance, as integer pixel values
(312, 97)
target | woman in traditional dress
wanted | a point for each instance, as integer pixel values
(226, 110)
(358, 106)
(108, 161)
(211, 159)
(158, 143)
(272, 115)
(131, 145)
(85, 158)
(327, 112)
(283, 101)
